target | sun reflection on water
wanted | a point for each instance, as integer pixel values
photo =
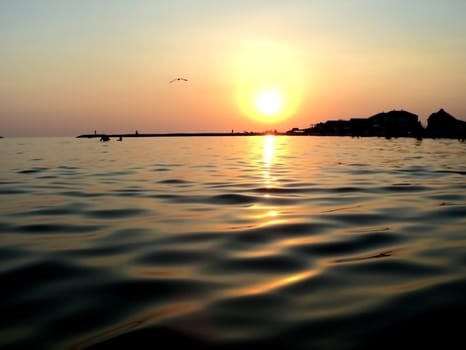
(269, 150)
(269, 214)
(274, 283)
(269, 155)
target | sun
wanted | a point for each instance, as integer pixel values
(268, 81)
(269, 102)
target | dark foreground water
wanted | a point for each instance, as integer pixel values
(233, 242)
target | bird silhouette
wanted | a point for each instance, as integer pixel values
(171, 81)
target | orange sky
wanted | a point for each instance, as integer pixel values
(71, 68)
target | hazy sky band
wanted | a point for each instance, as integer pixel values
(75, 66)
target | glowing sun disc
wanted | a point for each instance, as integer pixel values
(269, 102)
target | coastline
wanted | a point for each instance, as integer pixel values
(392, 124)
(178, 134)
(226, 134)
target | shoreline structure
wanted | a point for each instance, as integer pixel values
(396, 123)
(178, 134)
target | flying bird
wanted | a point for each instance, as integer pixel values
(171, 81)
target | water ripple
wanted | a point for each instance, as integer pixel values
(225, 243)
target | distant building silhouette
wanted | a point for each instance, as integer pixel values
(396, 123)
(443, 125)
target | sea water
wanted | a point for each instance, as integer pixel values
(232, 242)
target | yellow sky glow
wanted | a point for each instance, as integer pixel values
(268, 81)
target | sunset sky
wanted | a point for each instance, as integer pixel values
(72, 67)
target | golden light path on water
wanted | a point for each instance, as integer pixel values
(269, 286)
(269, 154)
(270, 216)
